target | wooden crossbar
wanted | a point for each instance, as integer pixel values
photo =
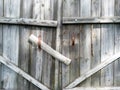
(94, 70)
(25, 21)
(22, 73)
(96, 88)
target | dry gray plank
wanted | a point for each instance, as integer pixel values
(24, 21)
(106, 61)
(65, 51)
(96, 88)
(95, 46)
(70, 48)
(7, 62)
(10, 43)
(1, 38)
(37, 55)
(117, 47)
(85, 41)
(107, 48)
(24, 48)
(58, 68)
(117, 63)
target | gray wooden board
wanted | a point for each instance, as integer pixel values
(24, 50)
(10, 43)
(70, 43)
(117, 46)
(107, 43)
(1, 38)
(36, 55)
(58, 76)
(85, 41)
(107, 49)
(95, 42)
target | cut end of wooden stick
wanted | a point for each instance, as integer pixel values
(33, 40)
(67, 61)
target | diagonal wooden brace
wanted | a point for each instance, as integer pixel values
(6, 61)
(38, 42)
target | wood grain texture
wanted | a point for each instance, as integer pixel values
(58, 66)
(117, 47)
(70, 40)
(1, 40)
(12, 66)
(24, 48)
(10, 43)
(107, 48)
(86, 75)
(85, 41)
(95, 43)
(36, 55)
(32, 22)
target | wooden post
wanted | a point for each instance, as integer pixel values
(35, 41)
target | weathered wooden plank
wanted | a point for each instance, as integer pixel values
(117, 47)
(84, 76)
(70, 47)
(37, 55)
(96, 88)
(12, 66)
(117, 63)
(24, 21)
(91, 20)
(1, 40)
(85, 41)
(24, 48)
(107, 48)
(10, 44)
(58, 82)
(95, 42)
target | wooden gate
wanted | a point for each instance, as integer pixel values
(86, 31)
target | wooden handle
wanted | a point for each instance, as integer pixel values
(34, 41)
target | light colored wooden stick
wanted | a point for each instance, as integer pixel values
(94, 70)
(12, 66)
(34, 41)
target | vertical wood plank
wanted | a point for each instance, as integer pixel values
(70, 40)
(37, 55)
(10, 43)
(95, 45)
(24, 50)
(48, 34)
(85, 41)
(1, 39)
(58, 68)
(117, 47)
(107, 43)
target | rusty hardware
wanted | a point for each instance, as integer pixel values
(39, 42)
(73, 39)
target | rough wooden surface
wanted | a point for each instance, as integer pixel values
(10, 43)
(107, 48)
(86, 75)
(95, 43)
(85, 41)
(24, 48)
(117, 46)
(94, 88)
(24, 21)
(12, 66)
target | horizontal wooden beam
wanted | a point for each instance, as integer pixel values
(24, 21)
(90, 20)
(94, 88)
(12, 66)
(94, 70)
(36, 41)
